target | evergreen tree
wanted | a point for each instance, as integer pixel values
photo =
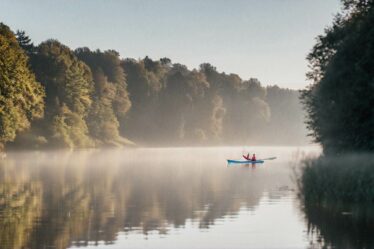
(21, 96)
(25, 42)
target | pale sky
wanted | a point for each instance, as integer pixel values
(264, 39)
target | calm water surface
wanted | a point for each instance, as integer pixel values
(153, 198)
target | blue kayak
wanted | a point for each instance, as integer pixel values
(245, 162)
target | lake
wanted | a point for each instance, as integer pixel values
(154, 198)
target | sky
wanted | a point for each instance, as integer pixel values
(263, 39)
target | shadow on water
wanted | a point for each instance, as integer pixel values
(60, 199)
(341, 226)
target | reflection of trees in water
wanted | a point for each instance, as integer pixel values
(151, 197)
(341, 226)
(84, 197)
(20, 205)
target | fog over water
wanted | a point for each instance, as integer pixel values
(158, 198)
(234, 126)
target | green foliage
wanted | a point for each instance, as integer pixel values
(66, 79)
(286, 116)
(111, 100)
(21, 96)
(174, 105)
(184, 99)
(102, 122)
(244, 110)
(24, 42)
(145, 79)
(340, 103)
(68, 83)
(69, 129)
(108, 64)
(348, 178)
(94, 98)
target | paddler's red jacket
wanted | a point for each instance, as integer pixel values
(253, 157)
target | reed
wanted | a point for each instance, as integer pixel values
(347, 178)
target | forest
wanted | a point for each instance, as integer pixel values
(55, 97)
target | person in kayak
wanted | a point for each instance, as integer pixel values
(247, 157)
(253, 157)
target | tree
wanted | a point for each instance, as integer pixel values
(25, 42)
(69, 85)
(94, 98)
(146, 81)
(286, 115)
(21, 96)
(184, 103)
(111, 99)
(339, 103)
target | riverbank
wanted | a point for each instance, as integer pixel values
(347, 178)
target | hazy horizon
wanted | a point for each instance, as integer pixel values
(186, 123)
(267, 40)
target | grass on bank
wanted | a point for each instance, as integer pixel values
(348, 178)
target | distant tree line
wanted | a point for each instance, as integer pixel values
(52, 96)
(340, 102)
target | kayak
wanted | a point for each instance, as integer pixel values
(244, 162)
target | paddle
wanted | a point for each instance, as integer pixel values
(270, 158)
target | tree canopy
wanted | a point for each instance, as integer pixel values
(68, 85)
(21, 96)
(96, 98)
(340, 101)
(111, 100)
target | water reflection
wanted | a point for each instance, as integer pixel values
(341, 226)
(59, 199)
